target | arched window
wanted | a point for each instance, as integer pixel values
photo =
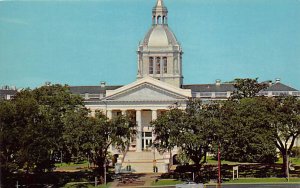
(157, 67)
(165, 60)
(150, 65)
(158, 19)
(164, 20)
(153, 20)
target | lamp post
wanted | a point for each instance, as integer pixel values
(219, 164)
(104, 172)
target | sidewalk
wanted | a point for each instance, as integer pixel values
(146, 178)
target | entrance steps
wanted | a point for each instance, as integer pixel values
(143, 162)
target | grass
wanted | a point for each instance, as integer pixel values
(211, 160)
(295, 161)
(166, 182)
(71, 166)
(85, 185)
(263, 180)
(82, 164)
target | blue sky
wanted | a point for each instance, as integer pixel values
(89, 41)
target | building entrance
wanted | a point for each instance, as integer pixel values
(146, 140)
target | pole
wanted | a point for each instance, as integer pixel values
(104, 173)
(287, 163)
(61, 158)
(219, 164)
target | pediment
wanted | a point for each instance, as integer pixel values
(148, 90)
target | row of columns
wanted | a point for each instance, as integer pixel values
(139, 136)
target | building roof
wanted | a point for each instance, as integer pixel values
(7, 92)
(91, 89)
(280, 87)
(222, 87)
(160, 36)
(210, 87)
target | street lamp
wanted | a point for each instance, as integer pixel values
(219, 164)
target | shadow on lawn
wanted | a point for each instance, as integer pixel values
(210, 172)
(40, 180)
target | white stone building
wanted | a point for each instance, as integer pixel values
(159, 84)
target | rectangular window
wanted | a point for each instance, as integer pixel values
(157, 68)
(165, 60)
(221, 94)
(150, 65)
(147, 134)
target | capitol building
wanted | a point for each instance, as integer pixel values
(159, 84)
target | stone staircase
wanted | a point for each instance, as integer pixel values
(143, 162)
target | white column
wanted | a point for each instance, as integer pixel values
(123, 112)
(109, 114)
(139, 131)
(154, 117)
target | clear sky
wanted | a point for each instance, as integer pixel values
(85, 42)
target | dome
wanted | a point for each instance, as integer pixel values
(160, 36)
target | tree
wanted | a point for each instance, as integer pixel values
(191, 130)
(8, 139)
(100, 133)
(285, 126)
(245, 122)
(246, 88)
(32, 126)
(246, 134)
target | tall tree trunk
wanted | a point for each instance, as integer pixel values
(170, 160)
(285, 164)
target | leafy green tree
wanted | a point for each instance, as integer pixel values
(166, 126)
(246, 88)
(246, 134)
(33, 126)
(191, 130)
(285, 126)
(8, 139)
(100, 133)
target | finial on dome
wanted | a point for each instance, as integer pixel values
(159, 13)
(160, 3)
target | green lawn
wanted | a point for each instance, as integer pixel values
(210, 160)
(82, 164)
(71, 166)
(263, 180)
(85, 185)
(295, 161)
(167, 182)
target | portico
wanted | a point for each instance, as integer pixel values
(144, 137)
(143, 101)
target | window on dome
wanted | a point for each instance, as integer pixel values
(158, 19)
(150, 65)
(157, 68)
(165, 60)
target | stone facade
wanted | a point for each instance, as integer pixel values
(159, 85)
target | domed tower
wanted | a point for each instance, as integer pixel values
(160, 54)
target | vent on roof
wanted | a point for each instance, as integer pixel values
(277, 80)
(218, 82)
(47, 83)
(270, 83)
(6, 87)
(102, 84)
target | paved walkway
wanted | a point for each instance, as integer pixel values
(132, 179)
